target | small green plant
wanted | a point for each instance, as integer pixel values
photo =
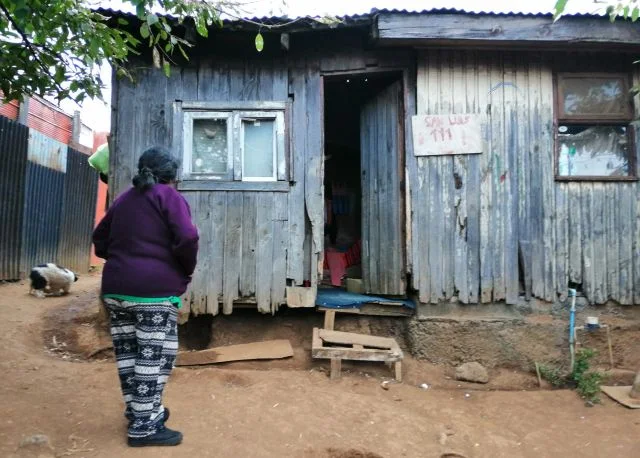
(553, 375)
(587, 382)
(589, 386)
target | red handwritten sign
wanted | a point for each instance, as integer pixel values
(436, 135)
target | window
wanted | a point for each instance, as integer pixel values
(208, 146)
(258, 148)
(594, 139)
(236, 144)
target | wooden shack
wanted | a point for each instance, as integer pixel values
(473, 157)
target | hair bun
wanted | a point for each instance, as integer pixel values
(156, 165)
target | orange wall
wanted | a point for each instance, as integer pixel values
(50, 121)
(10, 110)
(43, 117)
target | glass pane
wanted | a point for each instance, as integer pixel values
(258, 148)
(594, 96)
(593, 151)
(210, 148)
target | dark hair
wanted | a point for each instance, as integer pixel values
(156, 165)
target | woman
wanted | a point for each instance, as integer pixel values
(150, 245)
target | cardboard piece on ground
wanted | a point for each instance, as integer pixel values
(270, 349)
(621, 395)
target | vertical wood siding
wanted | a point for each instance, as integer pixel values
(244, 235)
(252, 243)
(486, 222)
(484, 228)
(383, 263)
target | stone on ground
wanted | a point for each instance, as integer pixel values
(472, 372)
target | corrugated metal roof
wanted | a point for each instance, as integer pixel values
(266, 20)
(486, 7)
(485, 12)
(350, 16)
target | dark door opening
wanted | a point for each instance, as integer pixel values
(364, 240)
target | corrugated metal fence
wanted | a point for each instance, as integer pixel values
(46, 167)
(78, 213)
(13, 164)
(48, 196)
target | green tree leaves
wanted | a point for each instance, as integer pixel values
(626, 9)
(57, 47)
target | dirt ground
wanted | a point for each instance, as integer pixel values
(285, 408)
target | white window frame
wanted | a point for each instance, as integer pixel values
(187, 163)
(234, 114)
(278, 128)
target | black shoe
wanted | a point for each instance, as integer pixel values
(164, 437)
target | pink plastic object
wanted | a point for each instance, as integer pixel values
(337, 266)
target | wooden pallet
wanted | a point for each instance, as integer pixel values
(338, 346)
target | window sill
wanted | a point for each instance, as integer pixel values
(253, 186)
(595, 178)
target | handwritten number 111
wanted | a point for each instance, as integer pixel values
(441, 134)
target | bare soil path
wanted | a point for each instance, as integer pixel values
(281, 411)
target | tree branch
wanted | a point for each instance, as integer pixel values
(28, 44)
(221, 12)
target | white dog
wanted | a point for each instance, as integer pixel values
(51, 279)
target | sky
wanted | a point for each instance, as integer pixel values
(96, 114)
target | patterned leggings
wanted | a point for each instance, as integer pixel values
(145, 342)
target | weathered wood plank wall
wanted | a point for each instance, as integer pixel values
(244, 235)
(480, 227)
(252, 243)
(495, 224)
(382, 172)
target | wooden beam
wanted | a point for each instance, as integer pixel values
(635, 389)
(462, 29)
(253, 186)
(336, 367)
(316, 342)
(398, 370)
(350, 338)
(354, 355)
(373, 310)
(234, 106)
(329, 319)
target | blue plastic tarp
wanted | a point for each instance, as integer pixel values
(340, 299)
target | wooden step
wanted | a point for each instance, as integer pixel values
(338, 346)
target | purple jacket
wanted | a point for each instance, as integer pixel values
(149, 242)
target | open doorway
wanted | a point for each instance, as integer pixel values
(363, 174)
